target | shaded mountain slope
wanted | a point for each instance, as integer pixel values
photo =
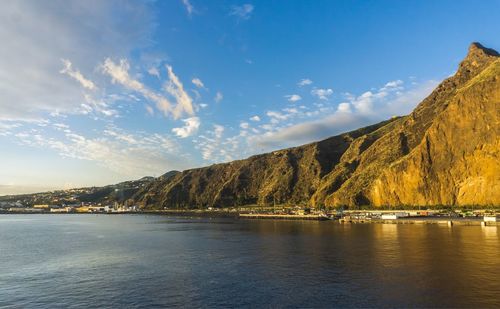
(284, 176)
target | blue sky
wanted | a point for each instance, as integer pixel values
(97, 92)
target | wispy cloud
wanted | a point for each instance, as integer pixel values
(255, 118)
(35, 44)
(176, 89)
(243, 12)
(198, 83)
(322, 94)
(293, 97)
(370, 107)
(119, 73)
(190, 127)
(6, 128)
(189, 7)
(75, 74)
(211, 145)
(218, 97)
(125, 153)
(154, 72)
(304, 82)
(308, 131)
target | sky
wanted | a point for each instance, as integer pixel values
(97, 92)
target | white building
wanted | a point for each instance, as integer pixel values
(490, 218)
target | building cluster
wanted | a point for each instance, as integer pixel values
(366, 215)
(18, 207)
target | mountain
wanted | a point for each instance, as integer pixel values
(446, 152)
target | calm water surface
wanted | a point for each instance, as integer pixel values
(51, 261)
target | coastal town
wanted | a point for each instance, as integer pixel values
(429, 216)
(18, 207)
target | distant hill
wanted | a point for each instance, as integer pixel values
(446, 152)
(119, 193)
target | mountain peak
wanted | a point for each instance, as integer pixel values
(476, 60)
(476, 49)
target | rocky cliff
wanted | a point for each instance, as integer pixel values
(446, 152)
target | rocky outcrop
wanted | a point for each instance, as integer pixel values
(446, 152)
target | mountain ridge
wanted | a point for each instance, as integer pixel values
(445, 152)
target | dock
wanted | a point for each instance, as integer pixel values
(440, 221)
(284, 217)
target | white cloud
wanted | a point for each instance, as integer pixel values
(394, 83)
(293, 97)
(329, 119)
(189, 7)
(218, 130)
(308, 131)
(304, 82)
(243, 12)
(276, 116)
(98, 106)
(218, 97)
(68, 70)
(7, 127)
(35, 36)
(150, 110)
(322, 94)
(255, 118)
(127, 154)
(154, 72)
(344, 107)
(176, 89)
(119, 72)
(244, 125)
(198, 83)
(214, 148)
(190, 127)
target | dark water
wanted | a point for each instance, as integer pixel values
(49, 261)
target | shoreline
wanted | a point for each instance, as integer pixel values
(281, 217)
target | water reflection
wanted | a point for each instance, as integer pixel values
(159, 261)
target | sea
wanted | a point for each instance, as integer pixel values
(154, 261)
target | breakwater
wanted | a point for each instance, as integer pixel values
(284, 217)
(426, 220)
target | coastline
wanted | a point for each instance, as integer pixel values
(421, 220)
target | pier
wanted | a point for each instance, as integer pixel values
(316, 217)
(440, 221)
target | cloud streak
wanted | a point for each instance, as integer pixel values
(293, 97)
(370, 107)
(42, 33)
(119, 73)
(243, 11)
(189, 7)
(75, 74)
(128, 154)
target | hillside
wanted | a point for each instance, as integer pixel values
(446, 152)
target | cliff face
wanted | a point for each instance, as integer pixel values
(457, 161)
(446, 152)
